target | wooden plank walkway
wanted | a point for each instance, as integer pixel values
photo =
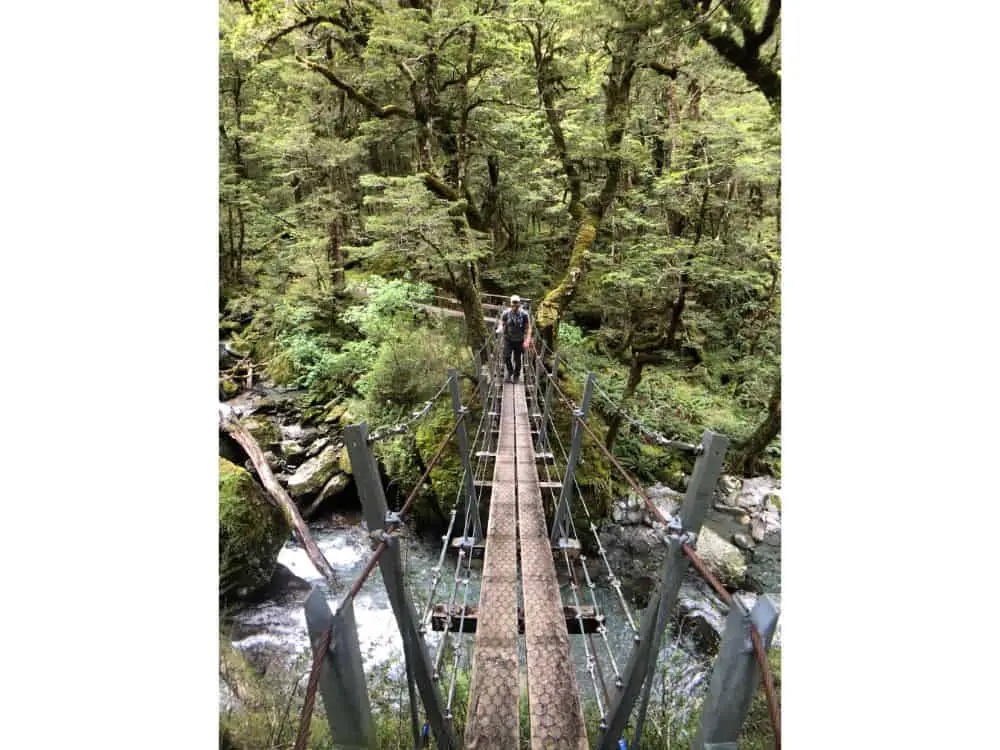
(517, 527)
(493, 719)
(553, 698)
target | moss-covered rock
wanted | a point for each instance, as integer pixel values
(263, 430)
(345, 461)
(447, 473)
(291, 449)
(335, 412)
(251, 533)
(227, 388)
(334, 487)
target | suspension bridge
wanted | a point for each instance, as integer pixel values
(518, 505)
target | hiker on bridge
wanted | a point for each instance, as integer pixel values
(515, 324)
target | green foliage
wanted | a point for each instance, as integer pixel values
(265, 709)
(388, 305)
(420, 150)
(757, 731)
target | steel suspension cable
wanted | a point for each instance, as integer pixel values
(613, 580)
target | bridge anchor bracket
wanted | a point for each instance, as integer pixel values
(675, 528)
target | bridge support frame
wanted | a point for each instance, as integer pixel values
(735, 674)
(559, 525)
(342, 678)
(471, 504)
(375, 509)
(640, 669)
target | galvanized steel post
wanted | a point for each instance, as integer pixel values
(645, 651)
(342, 678)
(376, 516)
(735, 674)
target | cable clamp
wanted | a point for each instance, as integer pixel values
(380, 535)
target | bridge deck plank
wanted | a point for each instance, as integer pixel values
(555, 710)
(493, 718)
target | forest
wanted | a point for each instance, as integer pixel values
(618, 162)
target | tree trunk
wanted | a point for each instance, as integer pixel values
(634, 378)
(335, 257)
(621, 71)
(551, 309)
(280, 497)
(465, 290)
(239, 247)
(676, 311)
(678, 308)
(753, 449)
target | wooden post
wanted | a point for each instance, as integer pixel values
(562, 507)
(645, 651)
(735, 675)
(342, 678)
(375, 511)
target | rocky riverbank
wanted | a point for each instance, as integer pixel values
(740, 542)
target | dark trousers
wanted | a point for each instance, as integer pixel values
(512, 351)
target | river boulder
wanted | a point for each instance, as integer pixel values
(313, 475)
(636, 552)
(723, 558)
(251, 533)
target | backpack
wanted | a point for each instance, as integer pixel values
(514, 325)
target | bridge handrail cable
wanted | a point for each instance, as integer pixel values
(462, 556)
(613, 580)
(699, 565)
(594, 670)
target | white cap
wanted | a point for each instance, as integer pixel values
(515, 299)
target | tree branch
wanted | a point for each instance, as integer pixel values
(668, 71)
(380, 111)
(310, 21)
(279, 496)
(770, 22)
(745, 56)
(442, 189)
